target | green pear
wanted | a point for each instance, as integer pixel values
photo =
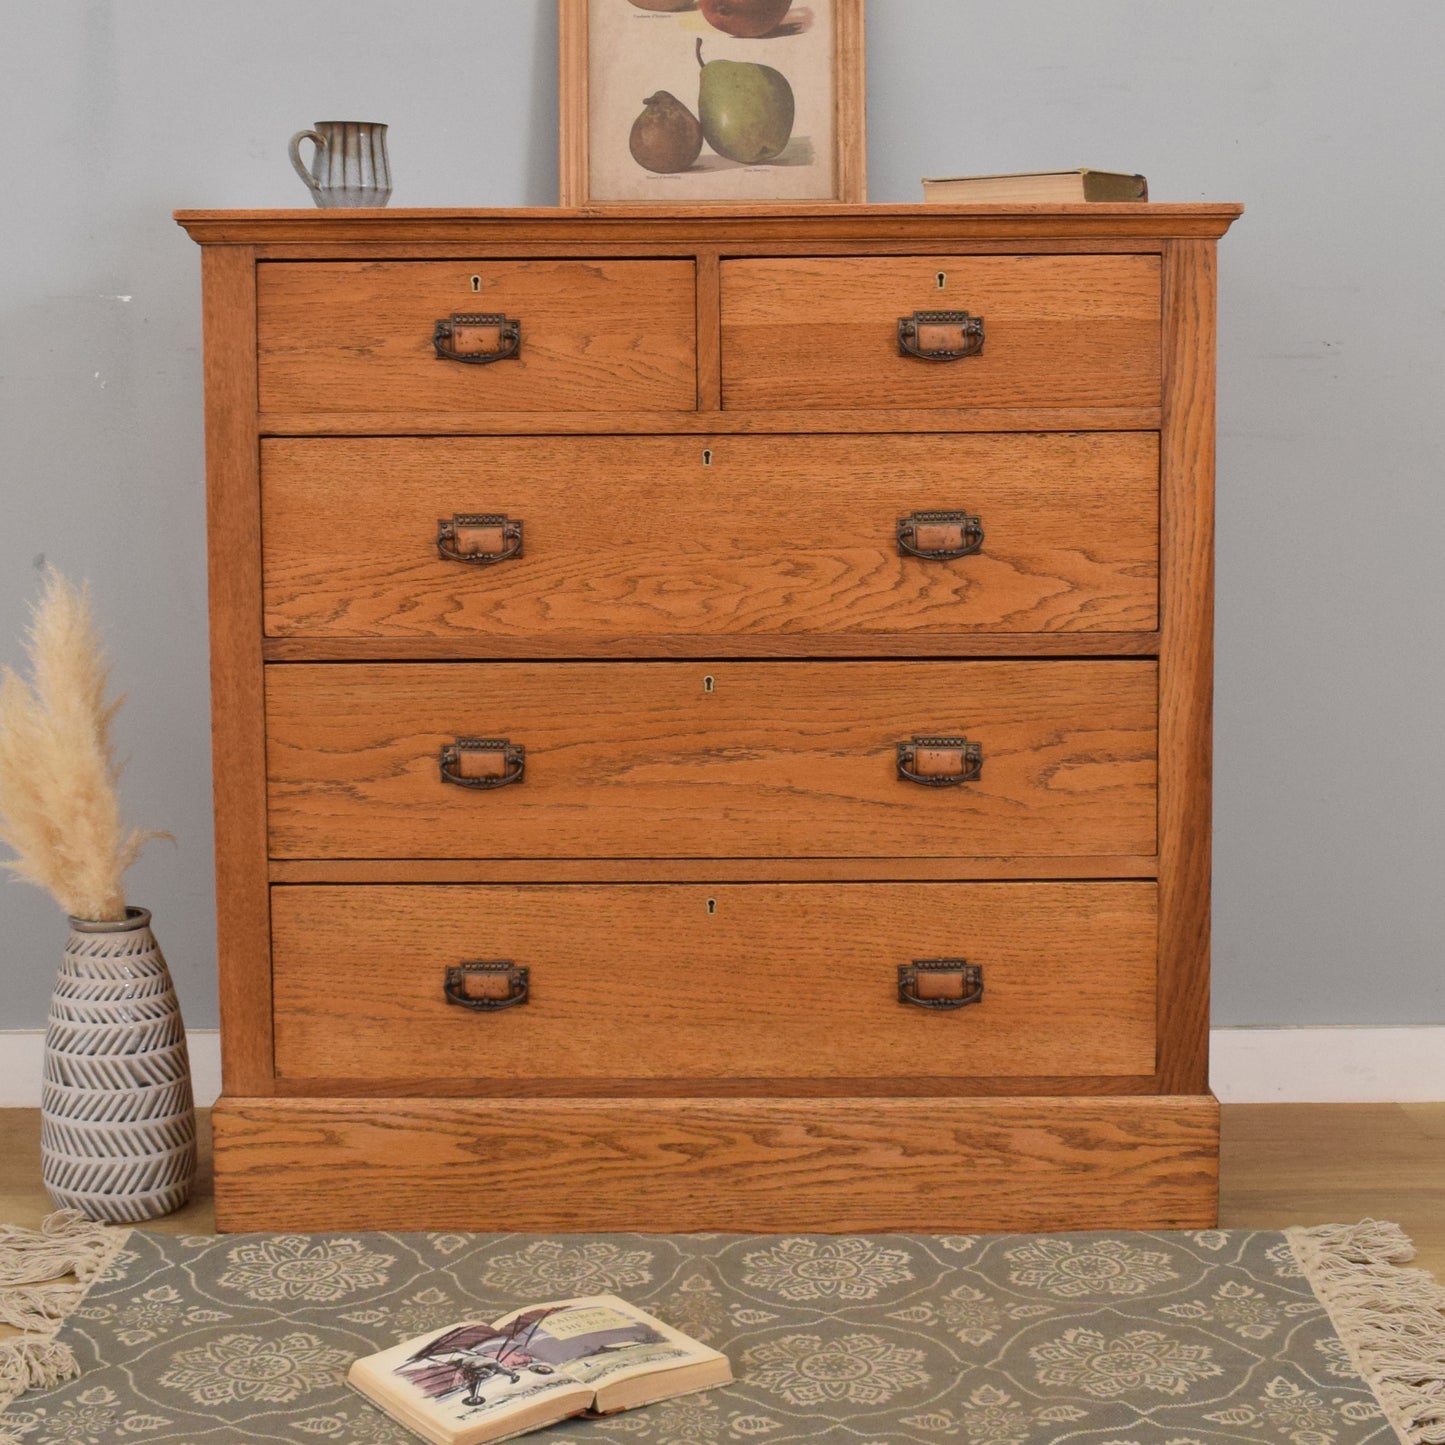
(746, 109)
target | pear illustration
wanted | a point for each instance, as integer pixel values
(746, 109)
(670, 5)
(746, 18)
(666, 137)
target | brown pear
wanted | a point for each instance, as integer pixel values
(666, 137)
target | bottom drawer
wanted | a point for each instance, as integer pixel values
(701, 982)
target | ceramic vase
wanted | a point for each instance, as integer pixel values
(118, 1126)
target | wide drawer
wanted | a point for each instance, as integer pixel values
(729, 759)
(753, 981)
(652, 536)
(1071, 330)
(593, 336)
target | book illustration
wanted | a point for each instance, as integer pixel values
(480, 1358)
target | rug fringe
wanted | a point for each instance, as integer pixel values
(36, 1297)
(1391, 1320)
(66, 1243)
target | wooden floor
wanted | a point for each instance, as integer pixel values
(1283, 1164)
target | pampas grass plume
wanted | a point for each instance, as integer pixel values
(59, 810)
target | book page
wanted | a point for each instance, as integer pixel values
(458, 1383)
(601, 1338)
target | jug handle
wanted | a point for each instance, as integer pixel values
(295, 149)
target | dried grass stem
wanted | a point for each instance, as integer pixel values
(59, 810)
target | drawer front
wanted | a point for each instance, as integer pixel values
(715, 760)
(651, 536)
(339, 337)
(754, 981)
(1057, 331)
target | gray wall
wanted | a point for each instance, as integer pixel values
(1326, 118)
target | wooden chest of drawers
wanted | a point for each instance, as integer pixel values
(711, 716)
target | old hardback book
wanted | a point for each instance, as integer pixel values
(480, 1381)
(1057, 186)
(712, 703)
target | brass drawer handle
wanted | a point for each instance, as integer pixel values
(940, 335)
(483, 762)
(479, 538)
(940, 762)
(940, 983)
(476, 337)
(487, 985)
(939, 536)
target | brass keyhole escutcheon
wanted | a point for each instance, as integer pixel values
(711, 906)
(476, 283)
(707, 456)
(942, 279)
(708, 683)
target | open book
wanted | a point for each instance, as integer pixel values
(475, 1383)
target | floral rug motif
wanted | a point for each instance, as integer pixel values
(1205, 1338)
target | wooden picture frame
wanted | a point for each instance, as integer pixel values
(846, 158)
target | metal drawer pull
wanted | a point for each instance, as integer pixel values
(476, 337)
(942, 983)
(939, 536)
(487, 985)
(480, 538)
(483, 762)
(940, 762)
(940, 335)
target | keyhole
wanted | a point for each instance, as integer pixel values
(476, 283)
(711, 906)
(942, 279)
(707, 683)
(707, 456)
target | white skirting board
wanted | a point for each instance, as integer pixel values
(1345, 1065)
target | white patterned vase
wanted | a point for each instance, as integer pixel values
(118, 1127)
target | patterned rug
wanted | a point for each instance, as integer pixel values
(1205, 1338)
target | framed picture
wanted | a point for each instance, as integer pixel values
(687, 101)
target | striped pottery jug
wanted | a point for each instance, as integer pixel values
(118, 1127)
(349, 166)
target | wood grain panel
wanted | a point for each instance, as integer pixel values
(724, 1086)
(238, 721)
(744, 1165)
(706, 537)
(823, 332)
(703, 870)
(687, 423)
(628, 759)
(1187, 665)
(562, 645)
(709, 333)
(690, 981)
(350, 337)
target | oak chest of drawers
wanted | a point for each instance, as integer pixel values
(712, 715)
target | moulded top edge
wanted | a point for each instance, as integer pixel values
(833, 222)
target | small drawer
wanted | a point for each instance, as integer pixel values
(844, 332)
(534, 336)
(597, 537)
(690, 982)
(711, 760)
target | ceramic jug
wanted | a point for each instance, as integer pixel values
(348, 166)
